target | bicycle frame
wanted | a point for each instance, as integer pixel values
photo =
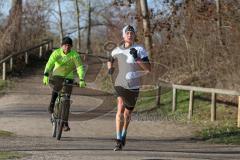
(61, 111)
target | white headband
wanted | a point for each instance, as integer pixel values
(126, 29)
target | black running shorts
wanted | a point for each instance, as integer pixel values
(129, 96)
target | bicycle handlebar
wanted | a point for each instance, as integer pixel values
(75, 84)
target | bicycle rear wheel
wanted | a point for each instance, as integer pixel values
(59, 129)
(54, 127)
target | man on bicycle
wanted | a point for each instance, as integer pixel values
(132, 59)
(61, 64)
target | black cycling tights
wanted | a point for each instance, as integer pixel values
(54, 97)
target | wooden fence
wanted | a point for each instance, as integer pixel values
(193, 89)
(46, 45)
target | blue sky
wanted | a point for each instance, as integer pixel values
(7, 4)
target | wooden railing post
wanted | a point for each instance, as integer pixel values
(40, 52)
(26, 57)
(4, 71)
(213, 107)
(158, 95)
(191, 102)
(11, 63)
(174, 99)
(24, 53)
(47, 47)
(238, 123)
(51, 45)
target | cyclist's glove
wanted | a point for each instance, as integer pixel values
(110, 71)
(45, 79)
(133, 52)
(82, 83)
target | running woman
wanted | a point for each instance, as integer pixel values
(132, 59)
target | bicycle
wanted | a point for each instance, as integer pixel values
(61, 111)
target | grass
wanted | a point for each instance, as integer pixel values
(5, 84)
(11, 155)
(224, 130)
(226, 133)
(147, 104)
(6, 134)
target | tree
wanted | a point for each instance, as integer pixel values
(89, 28)
(15, 21)
(146, 27)
(60, 20)
(78, 26)
(11, 33)
(140, 35)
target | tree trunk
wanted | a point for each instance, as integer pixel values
(140, 36)
(146, 27)
(89, 29)
(78, 26)
(15, 21)
(219, 21)
(60, 21)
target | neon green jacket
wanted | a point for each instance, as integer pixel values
(63, 65)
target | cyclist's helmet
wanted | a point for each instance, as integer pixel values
(67, 40)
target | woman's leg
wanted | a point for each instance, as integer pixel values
(119, 117)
